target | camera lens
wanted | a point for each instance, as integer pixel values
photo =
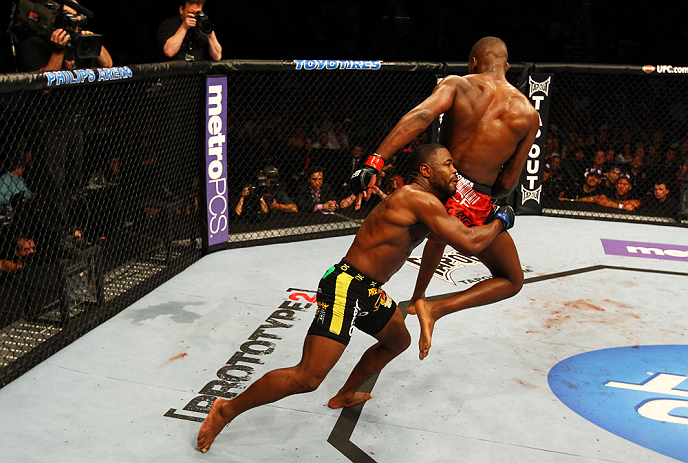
(204, 24)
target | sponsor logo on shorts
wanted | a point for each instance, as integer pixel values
(329, 64)
(646, 250)
(639, 393)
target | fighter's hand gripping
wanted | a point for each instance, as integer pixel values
(507, 215)
(363, 179)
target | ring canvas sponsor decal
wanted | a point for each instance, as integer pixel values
(239, 371)
(453, 260)
(646, 250)
(639, 393)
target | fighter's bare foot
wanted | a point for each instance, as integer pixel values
(348, 400)
(427, 324)
(216, 420)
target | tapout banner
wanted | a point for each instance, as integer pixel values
(529, 190)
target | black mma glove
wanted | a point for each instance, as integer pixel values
(362, 177)
(507, 215)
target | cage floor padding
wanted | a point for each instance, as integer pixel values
(588, 363)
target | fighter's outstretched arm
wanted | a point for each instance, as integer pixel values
(409, 126)
(419, 118)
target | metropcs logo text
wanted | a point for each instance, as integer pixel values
(311, 64)
(647, 250)
(216, 162)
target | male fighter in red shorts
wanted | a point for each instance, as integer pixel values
(488, 127)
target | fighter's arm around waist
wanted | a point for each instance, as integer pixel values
(419, 118)
(452, 231)
(511, 171)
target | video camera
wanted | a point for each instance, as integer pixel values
(44, 16)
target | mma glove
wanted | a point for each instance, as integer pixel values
(362, 177)
(507, 215)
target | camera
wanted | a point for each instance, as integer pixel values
(204, 24)
(44, 16)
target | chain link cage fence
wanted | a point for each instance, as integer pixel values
(617, 146)
(290, 131)
(97, 205)
(101, 189)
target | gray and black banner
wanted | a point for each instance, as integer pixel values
(529, 190)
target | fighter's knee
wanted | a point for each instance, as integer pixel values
(402, 342)
(516, 285)
(308, 382)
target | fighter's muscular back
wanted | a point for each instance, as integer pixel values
(488, 128)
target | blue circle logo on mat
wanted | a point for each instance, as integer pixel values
(639, 393)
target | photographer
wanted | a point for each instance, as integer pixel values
(272, 193)
(249, 205)
(38, 53)
(189, 36)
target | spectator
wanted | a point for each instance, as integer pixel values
(301, 164)
(324, 142)
(574, 168)
(588, 191)
(660, 203)
(40, 54)
(552, 180)
(274, 195)
(622, 198)
(638, 175)
(12, 183)
(298, 138)
(338, 136)
(608, 187)
(626, 154)
(352, 164)
(316, 196)
(599, 160)
(23, 250)
(180, 38)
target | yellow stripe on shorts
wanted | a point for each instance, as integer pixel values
(340, 290)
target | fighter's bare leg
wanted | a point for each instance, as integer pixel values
(392, 341)
(320, 354)
(501, 258)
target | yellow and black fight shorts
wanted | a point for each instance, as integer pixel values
(347, 298)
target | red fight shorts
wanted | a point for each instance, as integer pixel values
(471, 206)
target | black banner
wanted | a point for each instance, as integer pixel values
(529, 191)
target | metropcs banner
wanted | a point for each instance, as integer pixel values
(529, 190)
(216, 161)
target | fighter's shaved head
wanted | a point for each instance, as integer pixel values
(423, 154)
(489, 46)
